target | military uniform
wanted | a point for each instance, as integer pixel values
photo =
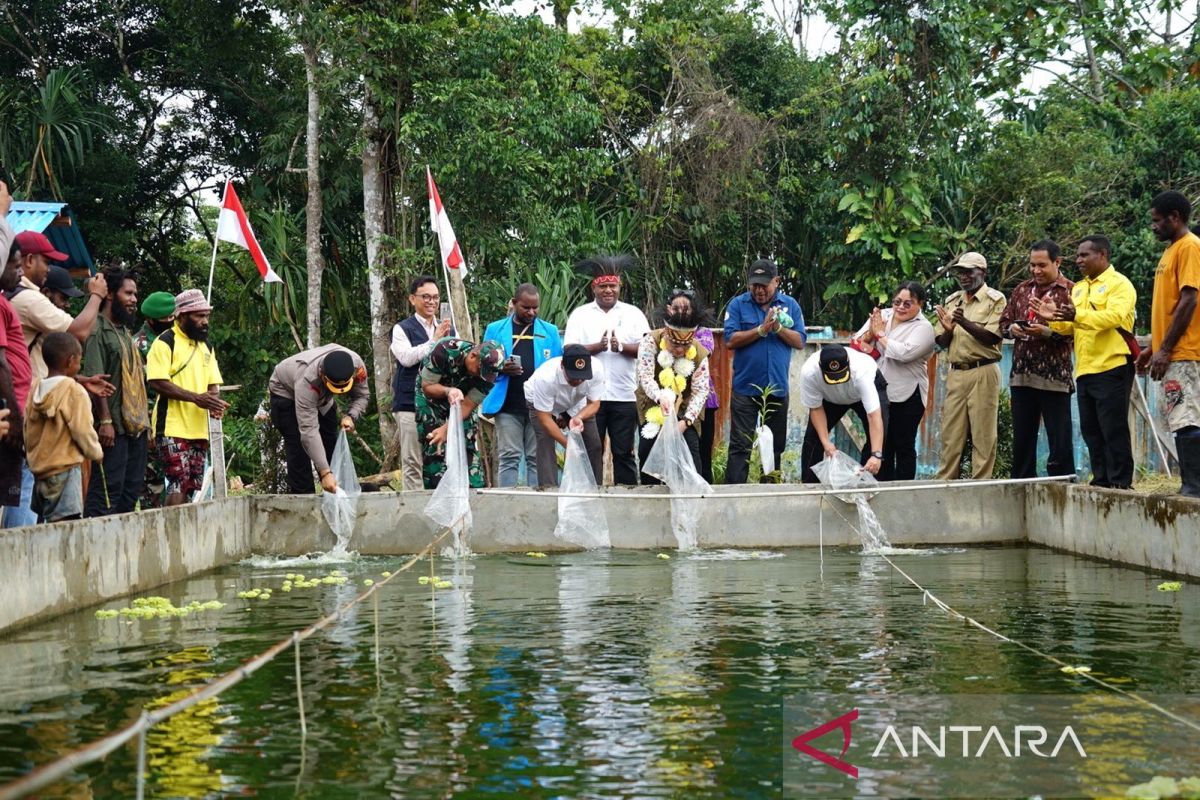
(972, 385)
(446, 365)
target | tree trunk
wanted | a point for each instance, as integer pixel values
(374, 203)
(314, 208)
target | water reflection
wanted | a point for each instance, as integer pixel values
(577, 675)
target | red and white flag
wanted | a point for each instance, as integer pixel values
(440, 222)
(234, 226)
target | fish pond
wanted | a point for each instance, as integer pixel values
(611, 674)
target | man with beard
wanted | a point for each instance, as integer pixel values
(968, 328)
(16, 373)
(183, 371)
(122, 419)
(159, 311)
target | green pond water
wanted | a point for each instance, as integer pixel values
(617, 674)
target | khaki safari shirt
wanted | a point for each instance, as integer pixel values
(983, 309)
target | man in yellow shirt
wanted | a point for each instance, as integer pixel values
(1100, 317)
(968, 328)
(182, 370)
(1174, 354)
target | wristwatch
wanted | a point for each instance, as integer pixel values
(877, 454)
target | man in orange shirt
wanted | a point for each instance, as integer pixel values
(1174, 354)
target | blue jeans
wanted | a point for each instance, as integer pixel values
(16, 516)
(515, 438)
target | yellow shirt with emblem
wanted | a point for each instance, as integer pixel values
(1102, 304)
(190, 365)
(984, 308)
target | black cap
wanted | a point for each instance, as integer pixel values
(59, 280)
(835, 364)
(577, 362)
(762, 271)
(337, 367)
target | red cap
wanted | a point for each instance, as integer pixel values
(34, 243)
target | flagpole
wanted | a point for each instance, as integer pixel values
(212, 267)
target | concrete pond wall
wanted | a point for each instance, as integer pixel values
(56, 568)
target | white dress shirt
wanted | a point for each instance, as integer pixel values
(588, 325)
(547, 388)
(408, 354)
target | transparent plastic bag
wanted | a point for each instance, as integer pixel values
(581, 520)
(341, 507)
(671, 462)
(843, 472)
(451, 500)
(766, 449)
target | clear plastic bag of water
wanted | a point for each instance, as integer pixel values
(843, 472)
(341, 507)
(451, 500)
(581, 520)
(766, 449)
(670, 461)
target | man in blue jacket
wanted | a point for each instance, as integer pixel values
(530, 342)
(763, 327)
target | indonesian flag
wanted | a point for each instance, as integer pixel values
(234, 226)
(451, 255)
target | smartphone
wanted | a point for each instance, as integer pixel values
(444, 311)
(516, 359)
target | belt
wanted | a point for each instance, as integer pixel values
(983, 362)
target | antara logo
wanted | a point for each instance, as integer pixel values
(937, 742)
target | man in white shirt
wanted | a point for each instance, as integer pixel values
(565, 392)
(412, 339)
(832, 382)
(611, 331)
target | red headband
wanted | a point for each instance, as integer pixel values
(606, 280)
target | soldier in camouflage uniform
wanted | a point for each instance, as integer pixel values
(455, 369)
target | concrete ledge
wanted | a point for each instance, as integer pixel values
(1151, 532)
(52, 569)
(394, 523)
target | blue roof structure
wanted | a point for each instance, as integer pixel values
(58, 222)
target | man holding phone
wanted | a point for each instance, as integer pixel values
(531, 341)
(1040, 383)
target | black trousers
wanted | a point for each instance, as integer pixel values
(743, 417)
(646, 445)
(708, 433)
(812, 451)
(1031, 407)
(547, 455)
(124, 473)
(299, 465)
(618, 420)
(900, 443)
(1104, 422)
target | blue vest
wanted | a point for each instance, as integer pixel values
(404, 379)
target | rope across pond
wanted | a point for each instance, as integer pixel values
(59, 769)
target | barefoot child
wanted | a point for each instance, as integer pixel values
(60, 432)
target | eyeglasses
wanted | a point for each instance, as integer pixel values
(903, 303)
(429, 298)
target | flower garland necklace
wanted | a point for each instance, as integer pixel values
(673, 378)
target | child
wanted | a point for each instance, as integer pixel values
(59, 432)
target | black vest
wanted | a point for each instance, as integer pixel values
(404, 379)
